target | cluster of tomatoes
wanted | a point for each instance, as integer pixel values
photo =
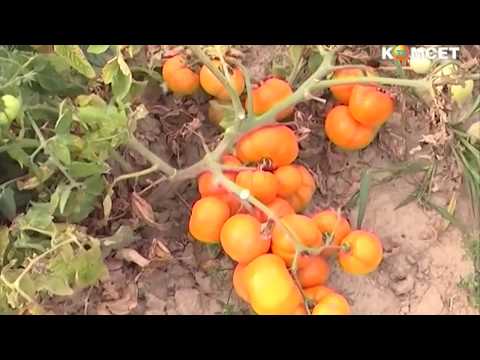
(363, 109)
(263, 249)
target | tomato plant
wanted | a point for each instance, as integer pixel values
(370, 106)
(269, 93)
(179, 78)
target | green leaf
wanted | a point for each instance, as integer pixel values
(97, 49)
(363, 197)
(4, 241)
(59, 150)
(38, 216)
(314, 61)
(123, 65)
(75, 57)
(55, 285)
(28, 285)
(65, 191)
(295, 52)
(65, 119)
(110, 70)
(18, 154)
(82, 201)
(121, 84)
(79, 169)
(8, 207)
(89, 267)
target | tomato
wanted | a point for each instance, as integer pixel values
(361, 252)
(180, 79)
(270, 93)
(300, 310)
(312, 271)
(277, 143)
(231, 200)
(420, 65)
(317, 293)
(302, 196)
(289, 180)
(330, 224)
(280, 208)
(11, 107)
(261, 184)
(270, 287)
(305, 230)
(332, 304)
(342, 93)
(207, 218)
(239, 282)
(370, 106)
(345, 132)
(214, 87)
(461, 93)
(241, 238)
(206, 182)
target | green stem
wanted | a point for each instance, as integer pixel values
(161, 165)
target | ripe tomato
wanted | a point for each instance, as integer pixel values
(361, 252)
(312, 271)
(262, 184)
(239, 283)
(343, 92)
(241, 238)
(206, 183)
(289, 180)
(270, 93)
(345, 132)
(300, 310)
(332, 304)
(330, 224)
(179, 78)
(270, 287)
(370, 106)
(231, 200)
(11, 107)
(317, 293)
(214, 87)
(279, 206)
(305, 230)
(277, 143)
(207, 218)
(302, 196)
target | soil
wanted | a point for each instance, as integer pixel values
(424, 259)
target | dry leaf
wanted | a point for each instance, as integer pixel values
(159, 250)
(126, 304)
(132, 255)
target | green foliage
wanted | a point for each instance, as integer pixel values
(56, 148)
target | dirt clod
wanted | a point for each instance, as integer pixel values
(431, 303)
(404, 286)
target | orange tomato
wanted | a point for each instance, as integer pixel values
(302, 196)
(343, 92)
(270, 93)
(261, 184)
(231, 200)
(241, 238)
(207, 218)
(370, 106)
(345, 132)
(305, 230)
(239, 282)
(280, 208)
(214, 87)
(277, 143)
(361, 252)
(300, 310)
(270, 287)
(332, 304)
(317, 293)
(289, 180)
(332, 225)
(206, 183)
(180, 79)
(312, 271)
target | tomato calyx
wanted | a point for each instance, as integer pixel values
(328, 238)
(265, 164)
(345, 247)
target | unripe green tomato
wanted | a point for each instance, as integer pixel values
(12, 106)
(448, 70)
(474, 131)
(460, 93)
(421, 65)
(4, 119)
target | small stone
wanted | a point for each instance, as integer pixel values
(188, 302)
(411, 260)
(403, 287)
(431, 303)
